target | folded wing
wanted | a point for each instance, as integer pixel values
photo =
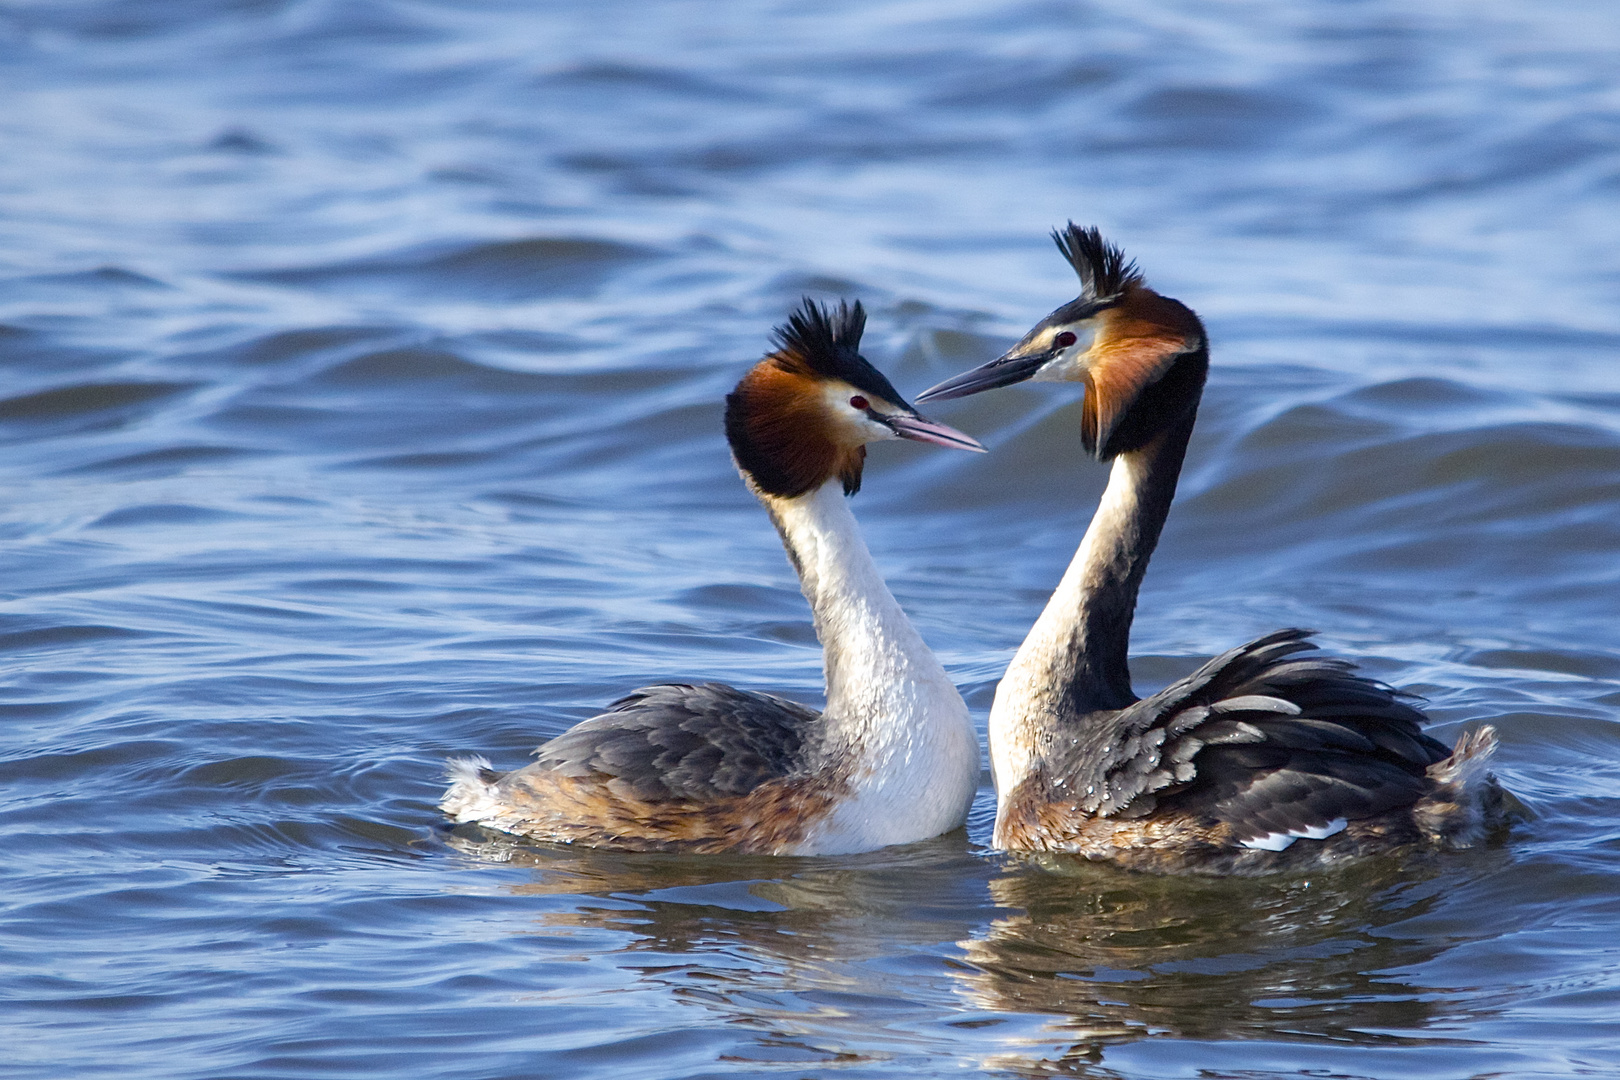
(1274, 743)
(680, 742)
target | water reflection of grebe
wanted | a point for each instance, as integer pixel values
(1114, 957)
(892, 759)
(820, 914)
(1262, 759)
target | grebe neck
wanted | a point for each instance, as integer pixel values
(870, 650)
(895, 732)
(1074, 660)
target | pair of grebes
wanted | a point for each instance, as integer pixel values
(1268, 757)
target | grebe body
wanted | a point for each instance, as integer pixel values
(709, 768)
(1265, 758)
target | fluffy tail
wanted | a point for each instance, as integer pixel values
(1466, 802)
(472, 788)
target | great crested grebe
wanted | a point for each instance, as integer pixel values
(1261, 759)
(707, 768)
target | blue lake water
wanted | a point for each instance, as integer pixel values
(363, 363)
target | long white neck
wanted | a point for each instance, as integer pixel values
(1071, 669)
(893, 715)
(871, 652)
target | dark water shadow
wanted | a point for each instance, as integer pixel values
(785, 914)
(1116, 957)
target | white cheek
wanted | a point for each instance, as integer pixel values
(872, 431)
(851, 425)
(1065, 367)
(857, 429)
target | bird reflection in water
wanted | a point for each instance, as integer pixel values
(1116, 957)
(810, 961)
(850, 906)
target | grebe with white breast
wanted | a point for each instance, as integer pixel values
(1263, 758)
(707, 768)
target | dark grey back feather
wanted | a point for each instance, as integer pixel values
(1259, 737)
(691, 743)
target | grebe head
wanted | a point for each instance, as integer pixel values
(1142, 357)
(805, 413)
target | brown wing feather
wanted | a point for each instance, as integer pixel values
(677, 742)
(593, 810)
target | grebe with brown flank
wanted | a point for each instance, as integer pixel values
(893, 757)
(1263, 758)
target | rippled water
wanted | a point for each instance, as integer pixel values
(363, 363)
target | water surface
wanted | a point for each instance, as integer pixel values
(362, 408)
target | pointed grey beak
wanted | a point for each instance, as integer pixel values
(923, 429)
(1011, 367)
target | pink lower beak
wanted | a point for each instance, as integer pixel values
(924, 430)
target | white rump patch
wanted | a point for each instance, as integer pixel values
(470, 798)
(1469, 761)
(1278, 841)
(465, 770)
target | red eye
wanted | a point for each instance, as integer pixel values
(858, 402)
(1064, 340)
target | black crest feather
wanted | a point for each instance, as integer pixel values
(1104, 270)
(821, 340)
